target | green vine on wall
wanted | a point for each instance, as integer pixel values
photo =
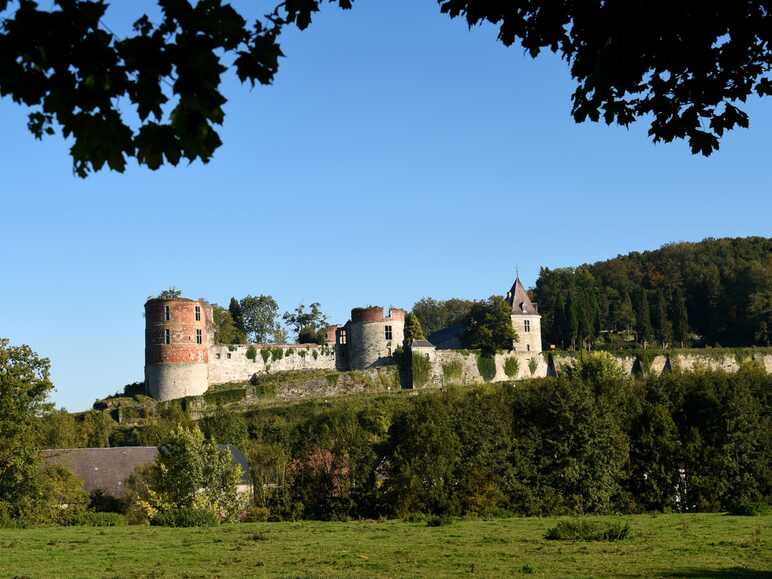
(511, 367)
(486, 365)
(421, 370)
(452, 371)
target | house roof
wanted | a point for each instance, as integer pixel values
(108, 469)
(422, 344)
(518, 298)
(448, 338)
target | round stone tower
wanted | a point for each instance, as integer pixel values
(373, 337)
(177, 338)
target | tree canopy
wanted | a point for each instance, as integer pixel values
(715, 292)
(155, 94)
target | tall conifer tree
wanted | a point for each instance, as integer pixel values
(238, 317)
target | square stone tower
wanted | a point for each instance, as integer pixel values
(526, 320)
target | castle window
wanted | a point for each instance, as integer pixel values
(198, 313)
(167, 336)
(342, 337)
(527, 325)
(217, 356)
(528, 347)
(199, 337)
(167, 313)
(387, 332)
(229, 355)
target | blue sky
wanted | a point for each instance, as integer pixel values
(398, 155)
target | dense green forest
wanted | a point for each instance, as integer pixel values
(715, 292)
(589, 441)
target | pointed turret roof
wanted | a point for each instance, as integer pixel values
(518, 298)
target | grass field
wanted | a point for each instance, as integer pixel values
(710, 545)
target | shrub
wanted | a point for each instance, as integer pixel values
(277, 354)
(96, 519)
(511, 367)
(533, 364)
(302, 353)
(225, 396)
(289, 352)
(749, 509)
(266, 354)
(255, 515)
(315, 354)
(452, 371)
(486, 366)
(251, 353)
(582, 530)
(439, 520)
(185, 517)
(421, 370)
(332, 379)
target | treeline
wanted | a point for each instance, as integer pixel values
(589, 441)
(715, 292)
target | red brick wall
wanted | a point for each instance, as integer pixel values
(182, 325)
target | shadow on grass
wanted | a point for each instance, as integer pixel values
(712, 573)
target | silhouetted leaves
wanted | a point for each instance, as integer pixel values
(681, 66)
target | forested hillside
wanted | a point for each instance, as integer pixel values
(714, 292)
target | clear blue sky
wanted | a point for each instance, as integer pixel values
(398, 155)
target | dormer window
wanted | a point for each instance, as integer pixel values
(198, 313)
(167, 313)
(522, 306)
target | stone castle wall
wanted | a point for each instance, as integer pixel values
(527, 341)
(230, 363)
(367, 342)
(177, 337)
(461, 367)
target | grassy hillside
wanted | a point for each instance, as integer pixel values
(663, 546)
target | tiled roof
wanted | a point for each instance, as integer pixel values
(518, 298)
(109, 469)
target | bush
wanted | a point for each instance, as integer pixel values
(749, 509)
(486, 366)
(251, 353)
(315, 354)
(533, 365)
(255, 515)
(185, 517)
(96, 519)
(511, 367)
(439, 520)
(265, 354)
(277, 354)
(581, 530)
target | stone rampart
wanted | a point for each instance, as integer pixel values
(231, 364)
(462, 366)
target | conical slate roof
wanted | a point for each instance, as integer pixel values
(518, 298)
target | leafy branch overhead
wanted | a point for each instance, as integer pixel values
(683, 67)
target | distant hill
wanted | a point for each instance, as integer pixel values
(714, 292)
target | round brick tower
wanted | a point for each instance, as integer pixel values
(177, 338)
(373, 337)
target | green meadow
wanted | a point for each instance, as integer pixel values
(695, 545)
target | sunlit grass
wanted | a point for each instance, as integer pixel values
(710, 545)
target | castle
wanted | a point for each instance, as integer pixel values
(182, 358)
